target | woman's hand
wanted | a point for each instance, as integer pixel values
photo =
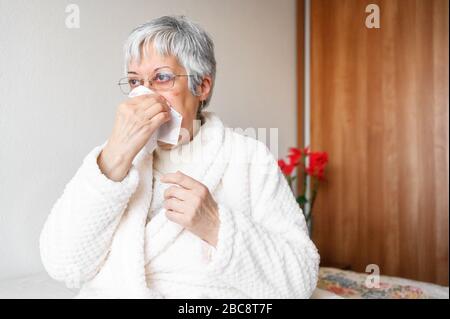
(191, 205)
(136, 120)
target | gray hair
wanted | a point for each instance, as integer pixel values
(179, 37)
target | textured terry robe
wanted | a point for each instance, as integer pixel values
(113, 241)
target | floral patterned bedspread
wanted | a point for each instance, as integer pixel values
(349, 284)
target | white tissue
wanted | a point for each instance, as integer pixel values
(169, 131)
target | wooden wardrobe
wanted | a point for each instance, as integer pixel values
(380, 108)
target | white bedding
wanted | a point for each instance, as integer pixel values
(41, 286)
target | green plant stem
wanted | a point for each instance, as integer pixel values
(290, 180)
(305, 176)
(314, 194)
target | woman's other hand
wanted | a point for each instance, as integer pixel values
(190, 204)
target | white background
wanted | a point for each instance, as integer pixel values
(58, 92)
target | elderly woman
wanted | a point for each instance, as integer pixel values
(218, 221)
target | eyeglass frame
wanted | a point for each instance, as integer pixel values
(142, 82)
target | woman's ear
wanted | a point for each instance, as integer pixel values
(205, 88)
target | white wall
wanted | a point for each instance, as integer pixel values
(58, 92)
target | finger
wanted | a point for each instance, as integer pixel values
(177, 192)
(151, 111)
(175, 217)
(153, 104)
(181, 179)
(155, 122)
(175, 205)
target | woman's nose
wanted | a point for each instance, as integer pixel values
(147, 84)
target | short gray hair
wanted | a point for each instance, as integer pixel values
(179, 37)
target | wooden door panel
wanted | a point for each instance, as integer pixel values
(379, 106)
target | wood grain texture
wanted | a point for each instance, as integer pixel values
(300, 16)
(380, 108)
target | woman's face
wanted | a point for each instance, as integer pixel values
(179, 97)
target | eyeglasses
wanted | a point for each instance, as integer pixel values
(163, 80)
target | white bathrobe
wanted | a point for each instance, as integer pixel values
(114, 240)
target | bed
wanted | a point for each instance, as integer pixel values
(337, 283)
(333, 284)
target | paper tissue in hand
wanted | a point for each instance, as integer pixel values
(169, 131)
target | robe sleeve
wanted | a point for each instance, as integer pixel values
(266, 252)
(78, 232)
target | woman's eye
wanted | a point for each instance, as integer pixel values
(133, 82)
(162, 77)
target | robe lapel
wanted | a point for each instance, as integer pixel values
(161, 232)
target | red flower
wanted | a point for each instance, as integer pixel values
(317, 163)
(287, 169)
(294, 156)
